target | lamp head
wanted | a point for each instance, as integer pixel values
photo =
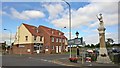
(5, 29)
(65, 27)
(77, 33)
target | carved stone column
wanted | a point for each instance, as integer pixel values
(103, 54)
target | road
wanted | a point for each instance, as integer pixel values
(43, 61)
(32, 60)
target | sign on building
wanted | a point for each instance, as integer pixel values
(21, 46)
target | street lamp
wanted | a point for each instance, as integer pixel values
(77, 34)
(77, 49)
(69, 23)
(62, 39)
(10, 35)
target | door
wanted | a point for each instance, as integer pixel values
(59, 48)
(56, 49)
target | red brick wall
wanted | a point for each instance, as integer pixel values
(23, 50)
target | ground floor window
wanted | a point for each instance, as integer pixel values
(38, 47)
(53, 47)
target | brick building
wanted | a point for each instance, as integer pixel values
(31, 39)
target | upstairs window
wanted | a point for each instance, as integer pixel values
(52, 32)
(63, 40)
(52, 39)
(41, 38)
(26, 38)
(37, 30)
(59, 33)
(35, 38)
(59, 40)
(56, 39)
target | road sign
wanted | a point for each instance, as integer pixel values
(71, 42)
(76, 41)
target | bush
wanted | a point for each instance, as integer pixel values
(73, 59)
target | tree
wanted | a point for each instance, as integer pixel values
(97, 45)
(87, 46)
(4, 46)
(92, 46)
(109, 42)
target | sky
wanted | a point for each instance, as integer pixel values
(55, 15)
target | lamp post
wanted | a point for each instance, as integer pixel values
(62, 39)
(10, 35)
(77, 50)
(69, 23)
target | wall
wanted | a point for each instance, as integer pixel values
(23, 50)
(22, 32)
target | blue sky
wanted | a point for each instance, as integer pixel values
(55, 15)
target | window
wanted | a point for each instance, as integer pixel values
(63, 40)
(26, 38)
(53, 48)
(56, 39)
(35, 38)
(59, 33)
(52, 32)
(41, 38)
(52, 39)
(37, 30)
(59, 40)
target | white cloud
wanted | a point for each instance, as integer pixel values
(91, 39)
(85, 15)
(6, 37)
(2, 13)
(114, 36)
(103, 0)
(27, 14)
(53, 10)
(94, 38)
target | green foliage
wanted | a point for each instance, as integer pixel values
(88, 46)
(92, 46)
(4, 46)
(97, 45)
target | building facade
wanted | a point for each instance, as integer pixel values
(31, 39)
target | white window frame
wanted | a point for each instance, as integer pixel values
(63, 40)
(60, 40)
(35, 38)
(59, 33)
(41, 38)
(26, 38)
(52, 39)
(52, 32)
(56, 39)
(53, 48)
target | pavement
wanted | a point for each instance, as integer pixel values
(66, 62)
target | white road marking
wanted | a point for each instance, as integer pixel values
(52, 61)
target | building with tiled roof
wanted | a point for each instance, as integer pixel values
(31, 39)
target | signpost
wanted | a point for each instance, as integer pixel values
(76, 41)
